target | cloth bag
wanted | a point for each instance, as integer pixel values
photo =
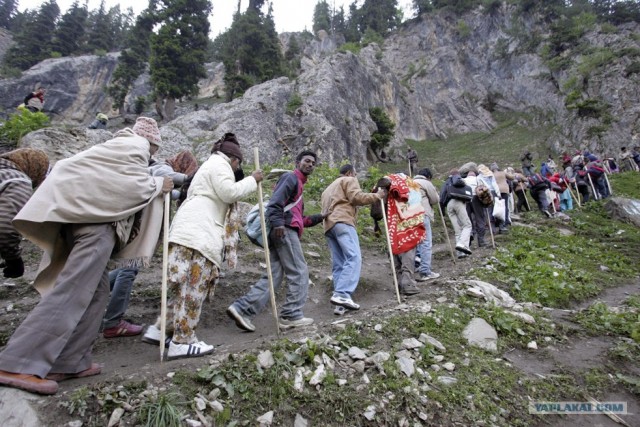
(499, 209)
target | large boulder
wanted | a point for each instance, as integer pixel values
(627, 210)
(61, 143)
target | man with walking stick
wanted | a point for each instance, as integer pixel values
(286, 256)
(83, 214)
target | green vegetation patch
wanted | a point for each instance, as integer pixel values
(546, 266)
(623, 321)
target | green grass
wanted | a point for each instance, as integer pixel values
(544, 266)
(504, 145)
(621, 321)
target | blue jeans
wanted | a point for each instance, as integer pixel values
(424, 249)
(120, 283)
(287, 261)
(346, 259)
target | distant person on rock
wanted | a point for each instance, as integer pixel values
(527, 163)
(339, 203)
(286, 256)
(412, 156)
(34, 102)
(21, 171)
(84, 213)
(100, 121)
(204, 234)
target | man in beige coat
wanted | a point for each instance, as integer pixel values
(83, 214)
(339, 207)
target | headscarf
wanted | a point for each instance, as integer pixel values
(183, 162)
(33, 162)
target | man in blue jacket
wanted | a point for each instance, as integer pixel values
(285, 212)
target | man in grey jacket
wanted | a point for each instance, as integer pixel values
(430, 197)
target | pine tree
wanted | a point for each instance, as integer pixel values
(99, 34)
(339, 22)
(321, 17)
(33, 42)
(353, 29)
(250, 51)
(178, 51)
(133, 60)
(422, 6)
(8, 9)
(71, 30)
(380, 16)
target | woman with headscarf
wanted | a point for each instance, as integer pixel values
(203, 233)
(21, 171)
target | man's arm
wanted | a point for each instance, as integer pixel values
(355, 195)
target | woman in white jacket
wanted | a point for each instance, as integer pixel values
(203, 233)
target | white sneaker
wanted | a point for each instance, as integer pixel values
(424, 277)
(242, 322)
(152, 336)
(197, 349)
(303, 321)
(344, 302)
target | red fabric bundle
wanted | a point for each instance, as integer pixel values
(405, 214)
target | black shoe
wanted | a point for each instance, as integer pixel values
(409, 290)
(464, 250)
(547, 213)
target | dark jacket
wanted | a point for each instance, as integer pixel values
(445, 193)
(287, 190)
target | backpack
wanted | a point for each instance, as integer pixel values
(253, 229)
(535, 180)
(484, 195)
(461, 193)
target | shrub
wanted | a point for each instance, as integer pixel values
(139, 105)
(294, 103)
(633, 68)
(384, 133)
(463, 29)
(21, 123)
(350, 47)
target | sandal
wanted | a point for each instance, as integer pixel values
(95, 369)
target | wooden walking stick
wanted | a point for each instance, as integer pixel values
(606, 178)
(577, 199)
(165, 267)
(526, 200)
(265, 241)
(552, 202)
(410, 171)
(595, 195)
(486, 215)
(446, 233)
(393, 264)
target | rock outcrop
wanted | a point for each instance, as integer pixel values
(430, 77)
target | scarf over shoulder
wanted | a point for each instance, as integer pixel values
(108, 183)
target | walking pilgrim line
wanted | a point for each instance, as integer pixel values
(79, 238)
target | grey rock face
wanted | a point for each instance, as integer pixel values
(428, 78)
(61, 143)
(75, 87)
(627, 210)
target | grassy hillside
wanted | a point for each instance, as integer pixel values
(503, 145)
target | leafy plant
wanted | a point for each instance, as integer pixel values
(77, 402)
(21, 123)
(294, 103)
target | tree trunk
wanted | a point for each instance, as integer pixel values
(160, 106)
(170, 108)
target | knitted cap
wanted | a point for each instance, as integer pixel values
(147, 128)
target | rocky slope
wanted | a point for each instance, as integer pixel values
(437, 75)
